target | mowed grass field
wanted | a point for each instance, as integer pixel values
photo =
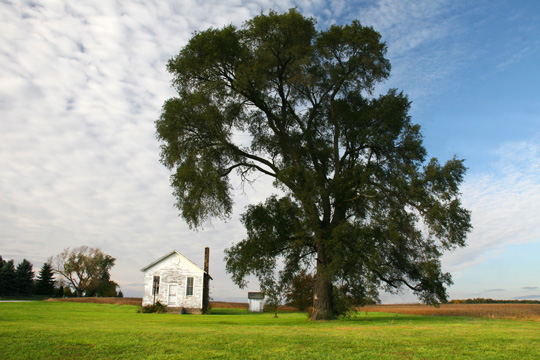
(67, 330)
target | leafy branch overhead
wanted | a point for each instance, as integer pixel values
(362, 207)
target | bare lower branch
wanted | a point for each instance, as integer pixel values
(392, 282)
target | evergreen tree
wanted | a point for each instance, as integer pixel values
(25, 278)
(9, 278)
(2, 264)
(45, 281)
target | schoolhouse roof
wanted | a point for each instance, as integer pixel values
(166, 257)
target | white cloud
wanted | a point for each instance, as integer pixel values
(82, 83)
(505, 205)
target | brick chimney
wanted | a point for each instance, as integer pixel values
(206, 282)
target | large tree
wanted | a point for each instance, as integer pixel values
(84, 268)
(357, 201)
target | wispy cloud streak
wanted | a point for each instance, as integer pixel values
(505, 205)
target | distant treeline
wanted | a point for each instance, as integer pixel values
(20, 280)
(492, 301)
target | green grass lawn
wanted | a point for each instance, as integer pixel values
(57, 330)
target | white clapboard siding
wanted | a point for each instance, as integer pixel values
(173, 270)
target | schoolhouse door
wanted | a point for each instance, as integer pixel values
(173, 291)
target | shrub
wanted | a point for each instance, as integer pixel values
(301, 291)
(309, 312)
(157, 308)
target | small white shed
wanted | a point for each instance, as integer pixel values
(175, 281)
(256, 301)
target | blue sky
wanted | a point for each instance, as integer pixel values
(81, 84)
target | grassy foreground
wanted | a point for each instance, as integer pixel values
(57, 330)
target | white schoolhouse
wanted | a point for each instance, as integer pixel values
(177, 282)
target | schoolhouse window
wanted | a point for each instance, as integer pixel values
(189, 286)
(155, 287)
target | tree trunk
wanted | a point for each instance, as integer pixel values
(322, 294)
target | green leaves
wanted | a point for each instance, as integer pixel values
(276, 230)
(209, 56)
(352, 56)
(201, 191)
(280, 45)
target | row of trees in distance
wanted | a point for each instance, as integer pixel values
(492, 301)
(82, 271)
(21, 281)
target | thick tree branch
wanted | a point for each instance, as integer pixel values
(228, 170)
(392, 282)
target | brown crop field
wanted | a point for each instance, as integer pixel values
(506, 311)
(102, 300)
(228, 305)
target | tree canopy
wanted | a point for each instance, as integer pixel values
(86, 269)
(357, 202)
